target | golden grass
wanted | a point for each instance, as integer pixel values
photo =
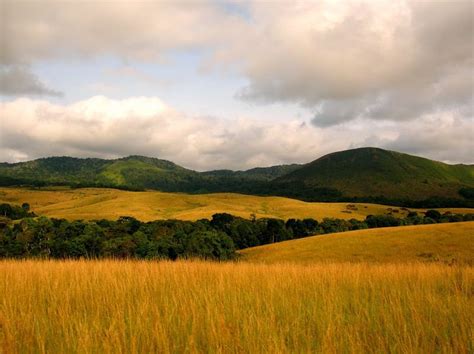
(94, 203)
(188, 307)
(440, 242)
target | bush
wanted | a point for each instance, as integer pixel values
(433, 214)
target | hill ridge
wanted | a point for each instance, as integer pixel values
(370, 173)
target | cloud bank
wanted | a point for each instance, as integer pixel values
(342, 60)
(103, 127)
(392, 74)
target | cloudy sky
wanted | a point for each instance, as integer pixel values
(225, 84)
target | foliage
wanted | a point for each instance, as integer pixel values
(216, 239)
(358, 175)
(15, 212)
(467, 192)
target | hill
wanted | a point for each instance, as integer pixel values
(134, 173)
(94, 203)
(363, 175)
(440, 242)
(373, 172)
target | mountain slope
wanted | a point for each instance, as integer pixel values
(366, 174)
(375, 172)
(135, 172)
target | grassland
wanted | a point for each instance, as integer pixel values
(188, 307)
(449, 243)
(95, 203)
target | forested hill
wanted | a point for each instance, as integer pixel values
(360, 174)
(135, 173)
(376, 172)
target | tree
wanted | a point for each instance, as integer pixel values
(433, 214)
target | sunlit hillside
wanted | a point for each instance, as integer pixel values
(449, 243)
(94, 203)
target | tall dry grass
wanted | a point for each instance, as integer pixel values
(190, 306)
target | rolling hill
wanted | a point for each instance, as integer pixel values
(440, 242)
(365, 174)
(94, 203)
(373, 172)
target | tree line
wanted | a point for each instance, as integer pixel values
(24, 235)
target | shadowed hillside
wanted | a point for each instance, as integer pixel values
(373, 172)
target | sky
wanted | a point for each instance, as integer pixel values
(235, 84)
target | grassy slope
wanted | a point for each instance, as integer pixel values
(377, 172)
(94, 203)
(196, 307)
(443, 242)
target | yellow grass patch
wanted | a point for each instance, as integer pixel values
(188, 307)
(450, 243)
(95, 203)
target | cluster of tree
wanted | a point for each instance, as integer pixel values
(15, 212)
(312, 194)
(123, 238)
(217, 238)
(467, 193)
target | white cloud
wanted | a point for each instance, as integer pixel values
(342, 60)
(399, 72)
(102, 127)
(109, 128)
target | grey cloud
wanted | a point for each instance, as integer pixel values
(377, 60)
(381, 60)
(143, 30)
(452, 144)
(19, 80)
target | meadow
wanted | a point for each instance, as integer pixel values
(407, 289)
(192, 306)
(447, 243)
(96, 203)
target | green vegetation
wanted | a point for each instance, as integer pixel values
(359, 175)
(378, 174)
(171, 239)
(447, 243)
(15, 212)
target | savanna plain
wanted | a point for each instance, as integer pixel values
(192, 306)
(394, 290)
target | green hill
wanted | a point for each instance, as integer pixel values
(362, 175)
(373, 172)
(135, 173)
(421, 243)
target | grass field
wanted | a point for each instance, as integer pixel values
(188, 307)
(440, 242)
(95, 203)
